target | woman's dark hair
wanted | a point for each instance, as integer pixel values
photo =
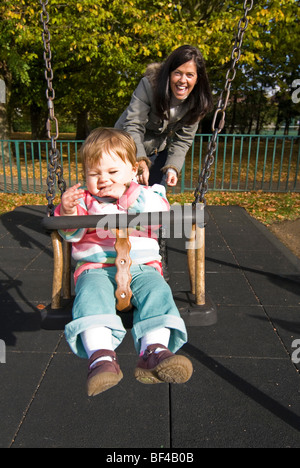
(201, 95)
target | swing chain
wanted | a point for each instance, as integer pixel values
(55, 169)
(205, 174)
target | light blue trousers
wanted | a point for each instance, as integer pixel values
(152, 299)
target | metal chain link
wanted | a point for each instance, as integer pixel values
(55, 169)
(205, 174)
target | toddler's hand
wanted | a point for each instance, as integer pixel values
(70, 200)
(115, 190)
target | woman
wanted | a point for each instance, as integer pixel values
(164, 114)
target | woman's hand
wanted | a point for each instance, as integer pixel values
(143, 173)
(70, 200)
(171, 178)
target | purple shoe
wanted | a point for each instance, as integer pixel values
(163, 366)
(104, 374)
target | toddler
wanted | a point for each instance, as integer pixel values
(110, 168)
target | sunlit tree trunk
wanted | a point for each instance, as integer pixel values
(4, 126)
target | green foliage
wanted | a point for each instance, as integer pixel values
(102, 47)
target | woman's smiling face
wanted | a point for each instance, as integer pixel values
(183, 80)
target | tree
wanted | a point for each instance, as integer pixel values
(4, 128)
(101, 49)
(19, 55)
(276, 63)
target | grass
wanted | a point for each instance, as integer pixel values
(10, 201)
(267, 208)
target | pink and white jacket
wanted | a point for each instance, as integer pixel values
(94, 248)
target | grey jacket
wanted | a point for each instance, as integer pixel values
(152, 134)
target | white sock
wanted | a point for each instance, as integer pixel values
(161, 336)
(94, 339)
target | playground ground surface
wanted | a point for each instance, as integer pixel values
(245, 388)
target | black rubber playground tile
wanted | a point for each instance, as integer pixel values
(241, 403)
(61, 415)
(237, 333)
(244, 391)
(20, 378)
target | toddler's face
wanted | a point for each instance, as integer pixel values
(109, 170)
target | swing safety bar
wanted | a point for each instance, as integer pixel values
(181, 218)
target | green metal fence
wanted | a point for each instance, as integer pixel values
(242, 163)
(247, 163)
